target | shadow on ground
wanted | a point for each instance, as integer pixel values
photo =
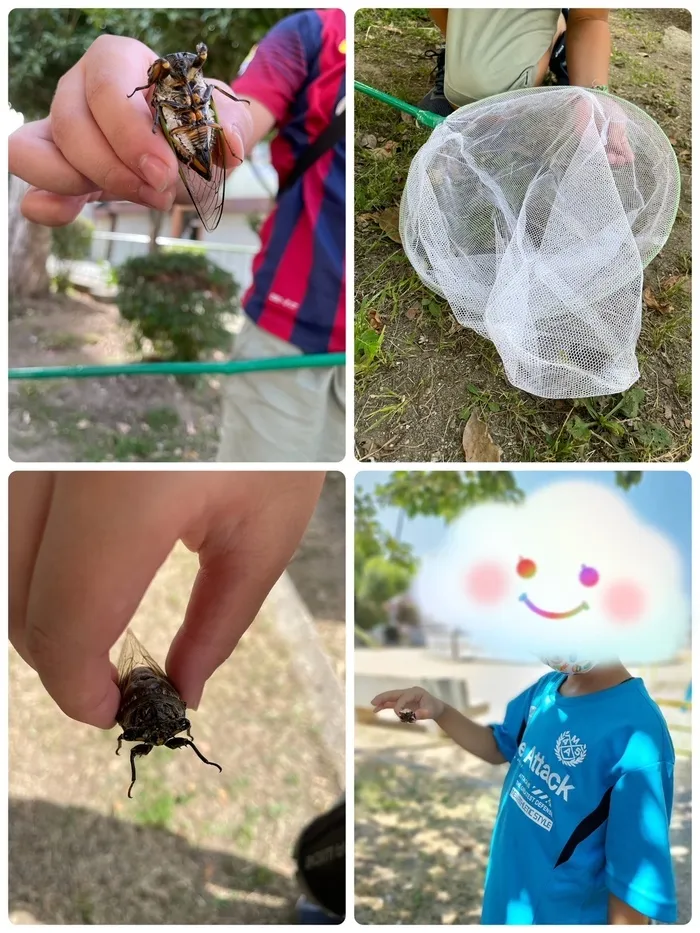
(422, 839)
(96, 869)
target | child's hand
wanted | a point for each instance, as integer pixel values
(423, 704)
(84, 548)
(98, 145)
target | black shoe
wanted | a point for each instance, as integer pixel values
(435, 101)
(557, 60)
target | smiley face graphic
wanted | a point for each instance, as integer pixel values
(527, 569)
(570, 572)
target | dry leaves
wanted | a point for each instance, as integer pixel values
(388, 220)
(478, 444)
(412, 313)
(375, 321)
(386, 151)
(656, 304)
(369, 141)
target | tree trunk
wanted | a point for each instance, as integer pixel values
(28, 248)
(156, 223)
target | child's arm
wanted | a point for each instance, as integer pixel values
(477, 739)
(620, 912)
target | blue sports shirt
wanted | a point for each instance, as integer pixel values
(585, 808)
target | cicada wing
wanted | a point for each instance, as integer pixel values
(208, 195)
(133, 655)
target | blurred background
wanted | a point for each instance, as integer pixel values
(424, 809)
(193, 845)
(82, 294)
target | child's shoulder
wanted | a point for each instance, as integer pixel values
(649, 739)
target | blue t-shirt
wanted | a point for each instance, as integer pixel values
(585, 808)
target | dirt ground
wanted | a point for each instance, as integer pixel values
(418, 377)
(424, 814)
(134, 418)
(193, 845)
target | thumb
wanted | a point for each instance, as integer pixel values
(235, 118)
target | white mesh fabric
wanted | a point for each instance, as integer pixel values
(533, 214)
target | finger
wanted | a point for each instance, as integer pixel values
(388, 697)
(240, 562)
(407, 700)
(86, 146)
(34, 157)
(88, 583)
(114, 67)
(29, 501)
(55, 210)
(51, 210)
(235, 118)
(422, 714)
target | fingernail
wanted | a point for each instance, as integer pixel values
(161, 202)
(156, 173)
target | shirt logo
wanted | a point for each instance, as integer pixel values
(569, 750)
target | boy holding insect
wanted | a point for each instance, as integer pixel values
(97, 145)
(582, 831)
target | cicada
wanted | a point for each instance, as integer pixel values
(151, 710)
(183, 106)
(407, 715)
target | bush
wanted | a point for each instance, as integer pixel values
(70, 244)
(178, 301)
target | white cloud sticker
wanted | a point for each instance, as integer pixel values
(571, 572)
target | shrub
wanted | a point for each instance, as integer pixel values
(70, 244)
(178, 301)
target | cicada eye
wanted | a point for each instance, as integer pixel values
(526, 568)
(588, 576)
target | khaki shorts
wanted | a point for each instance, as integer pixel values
(489, 52)
(276, 416)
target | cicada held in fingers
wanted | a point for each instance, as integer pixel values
(183, 106)
(151, 711)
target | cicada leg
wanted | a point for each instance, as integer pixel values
(120, 739)
(138, 751)
(182, 743)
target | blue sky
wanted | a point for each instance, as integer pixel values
(662, 499)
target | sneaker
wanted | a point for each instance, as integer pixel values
(435, 101)
(557, 60)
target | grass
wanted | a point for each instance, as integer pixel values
(156, 434)
(419, 375)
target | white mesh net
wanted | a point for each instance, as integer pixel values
(534, 214)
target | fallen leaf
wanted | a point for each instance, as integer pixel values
(654, 304)
(375, 321)
(412, 313)
(379, 154)
(363, 219)
(668, 414)
(672, 280)
(687, 422)
(368, 141)
(673, 140)
(478, 444)
(388, 220)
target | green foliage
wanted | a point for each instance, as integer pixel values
(626, 479)
(447, 494)
(384, 567)
(178, 302)
(44, 43)
(70, 243)
(73, 241)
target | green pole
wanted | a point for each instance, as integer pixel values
(424, 117)
(230, 368)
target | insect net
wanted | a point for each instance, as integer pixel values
(533, 214)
